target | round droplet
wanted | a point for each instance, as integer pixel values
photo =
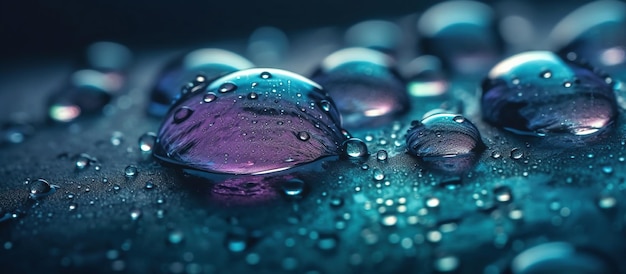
(503, 194)
(293, 187)
(543, 107)
(444, 144)
(303, 136)
(130, 171)
(211, 63)
(517, 154)
(266, 75)
(378, 174)
(209, 97)
(149, 185)
(381, 155)
(41, 188)
(227, 87)
(175, 237)
(461, 34)
(327, 242)
(606, 201)
(146, 141)
(135, 214)
(594, 32)
(84, 160)
(354, 148)
(447, 264)
(365, 86)
(236, 136)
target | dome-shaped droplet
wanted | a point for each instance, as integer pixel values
(425, 77)
(208, 62)
(594, 32)
(526, 94)
(236, 135)
(462, 34)
(445, 142)
(354, 148)
(41, 188)
(365, 86)
(146, 141)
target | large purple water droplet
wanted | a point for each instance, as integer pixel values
(540, 94)
(283, 126)
(594, 32)
(208, 62)
(365, 86)
(445, 142)
(462, 34)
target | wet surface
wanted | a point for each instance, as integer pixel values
(87, 195)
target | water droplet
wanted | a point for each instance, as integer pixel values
(146, 141)
(336, 201)
(239, 239)
(293, 187)
(447, 263)
(130, 171)
(227, 87)
(14, 132)
(496, 155)
(182, 114)
(84, 160)
(432, 202)
(381, 155)
(209, 97)
(211, 62)
(607, 201)
(266, 75)
(253, 96)
(40, 189)
(364, 85)
(389, 220)
(250, 136)
(426, 77)
(116, 138)
(546, 107)
(516, 154)
(503, 194)
(149, 185)
(462, 34)
(303, 136)
(327, 242)
(444, 144)
(354, 148)
(378, 174)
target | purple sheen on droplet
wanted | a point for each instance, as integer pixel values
(233, 134)
(211, 63)
(594, 32)
(462, 34)
(540, 94)
(365, 85)
(445, 142)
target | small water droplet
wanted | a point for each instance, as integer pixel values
(293, 187)
(40, 189)
(146, 141)
(130, 171)
(432, 202)
(378, 174)
(227, 87)
(84, 160)
(303, 136)
(447, 263)
(253, 96)
(209, 97)
(117, 138)
(149, 185)
(607, 201)
(503, 194)
(355, 148)
(182, 114)
(175, 237)
(516, 153)
(266, 75)
(327, 242)
(381, 155)
(336, 201)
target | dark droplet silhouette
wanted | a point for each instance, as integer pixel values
(365, 86)
(445, 142)
(540, 94)
(282, 127)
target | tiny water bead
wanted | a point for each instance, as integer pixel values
(130, 171)
(540, 94)
(354, 148)
(283, 127)
(146, 141)
(365, 86)
(208, 62)
(445, 142)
